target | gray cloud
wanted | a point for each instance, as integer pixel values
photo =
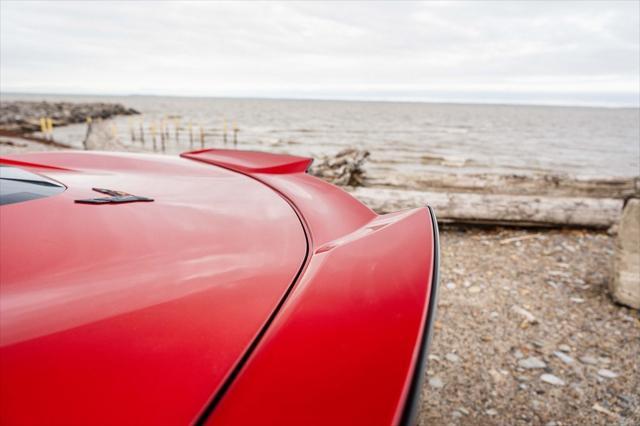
(556, 52)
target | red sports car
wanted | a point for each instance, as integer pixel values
(215, 288)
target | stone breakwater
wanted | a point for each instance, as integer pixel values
(24, 116)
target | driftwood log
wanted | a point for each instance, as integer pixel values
(555, 185)
(498, 209)
(344, 169)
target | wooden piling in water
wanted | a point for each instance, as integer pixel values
(176, 125)
(152, 128)
(141, 128)
(86, 137)
(235, 135)
(163, 135)
(224, 132)
(131, 130)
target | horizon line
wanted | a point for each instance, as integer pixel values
(453, 101)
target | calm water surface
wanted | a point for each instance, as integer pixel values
(451, 137)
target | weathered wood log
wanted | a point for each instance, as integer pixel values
(345, 168)
(519, 210)
(555, 185)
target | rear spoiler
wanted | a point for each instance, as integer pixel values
(250, 162)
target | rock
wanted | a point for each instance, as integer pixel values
(463, 411)
(625, 286)
(564, 357)
(552, 380)
(450, 286)
(588, 360)
(436, 382)
(599, 408)
(607, 374)
(475, 289)
(537, 343)
(24, 116)
(532, 362)
(564, 348)
(491, 412)
(524, 313)
(496, 376)
(451, 357)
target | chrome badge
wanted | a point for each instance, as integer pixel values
(115, 197)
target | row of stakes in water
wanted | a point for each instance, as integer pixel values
(161, 131)
(155, 130)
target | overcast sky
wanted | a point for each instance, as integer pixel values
(529, 52)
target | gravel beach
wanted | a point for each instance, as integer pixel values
(527, 334)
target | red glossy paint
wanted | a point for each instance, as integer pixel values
(135, 313)
(141, 313)
(343, 348)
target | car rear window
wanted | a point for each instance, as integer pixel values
(18, 185)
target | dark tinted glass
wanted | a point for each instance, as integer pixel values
(18, 185)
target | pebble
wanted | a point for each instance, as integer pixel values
(524, 313)
(491, 412)
(608, 374)
(588, 360)
(436, 383)
(474, 289)
(450, 285)
(463, 411)
(564, 348)
(451, 357)
(532, 362)
(518, 354)
(564, 357)
(552, 380)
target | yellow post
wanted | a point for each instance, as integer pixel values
(43, 125)
(114, 131)
(190, 133)
(50, 127)
(201, 137)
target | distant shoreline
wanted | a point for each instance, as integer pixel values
(614, 106)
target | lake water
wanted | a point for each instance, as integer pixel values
(457, 138)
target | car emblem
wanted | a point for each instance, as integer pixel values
(114, 197)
